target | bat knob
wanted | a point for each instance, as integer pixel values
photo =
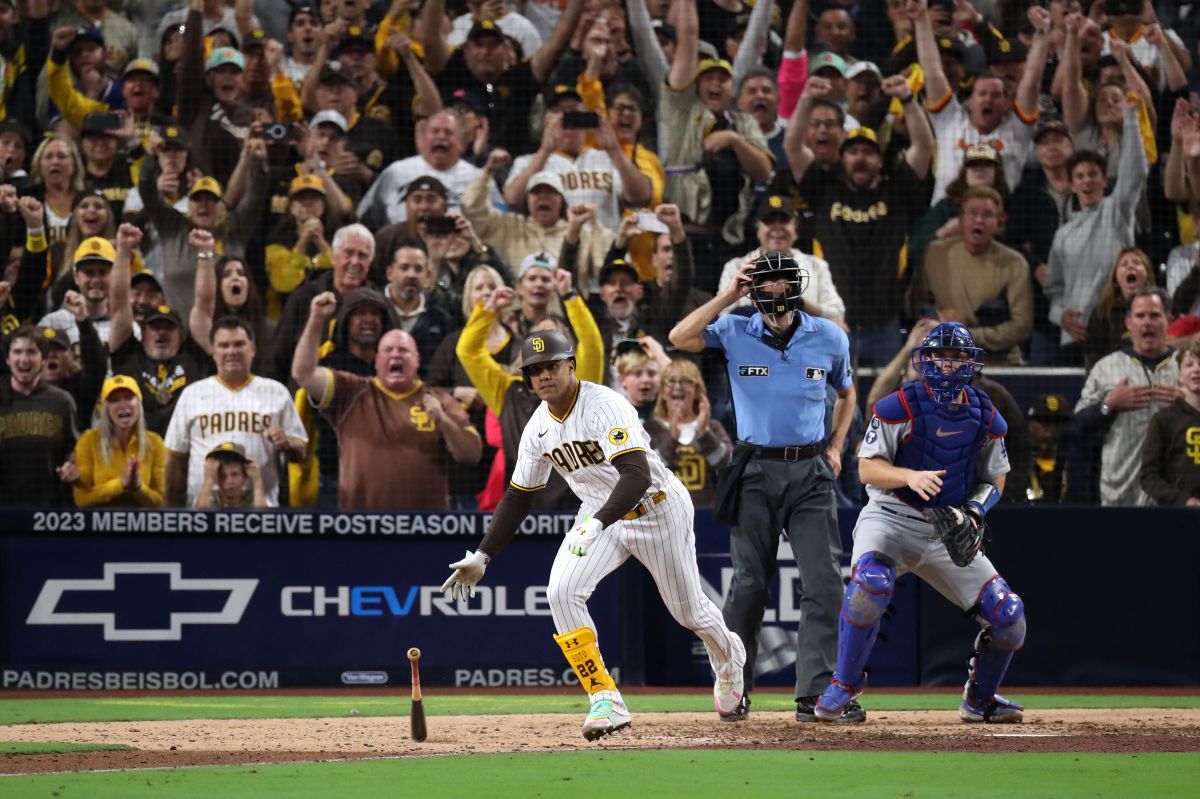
(414, 653)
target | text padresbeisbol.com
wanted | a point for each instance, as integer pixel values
(14, 679)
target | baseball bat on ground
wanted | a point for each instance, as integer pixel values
(417, 717)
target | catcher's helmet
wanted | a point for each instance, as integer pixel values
(545, 347)
(772, 266)
(947, 374)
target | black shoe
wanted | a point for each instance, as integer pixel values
(741, 712)
(805, 711)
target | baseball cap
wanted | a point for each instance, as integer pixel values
(208, 184)
(859, 135)
(332, 73)
(951, 45)
(306, 183)
(664, 29)
(776, 205)
(356, 37)
(303, 8)
(470, 99)
(1049, 406)
(1051, 126)
(484, 28)
(56, 337)
(546, 178)
(228, 451)
(562, 92)
(18, 127)
(173, 137)
(164, 313)
(828, 60)
(230, 32)
(714, 63)
(425, 183)
(95, 249)
(143, 65)
(100, 122)
(615, 265)
(143, 276)
(540, 259)
(117, 382)
(864, 68)
(329, 117)
(255, 38)
(90, 32)
(981, 153)
(225, 55)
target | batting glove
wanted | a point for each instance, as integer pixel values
(467, 572)
(583, 535)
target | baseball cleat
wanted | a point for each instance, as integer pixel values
(806, 711)
(998, 711)
(835, 704)
(741, 712)
(605, 718)
(727, 694)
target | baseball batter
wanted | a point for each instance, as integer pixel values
(631, 505)
(934, 450)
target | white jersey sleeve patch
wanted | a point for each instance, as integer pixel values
(882, 440)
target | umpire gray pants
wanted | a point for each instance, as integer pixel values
(793, 497)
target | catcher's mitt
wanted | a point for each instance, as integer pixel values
(953, 526)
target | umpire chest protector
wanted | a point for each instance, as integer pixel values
(946, 437)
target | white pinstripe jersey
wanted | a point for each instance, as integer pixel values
(600, 425)
(209, 413)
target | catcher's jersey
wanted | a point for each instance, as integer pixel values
(883, 439)
(599, 426)
(210, 413)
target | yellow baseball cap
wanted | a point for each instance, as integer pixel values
(208, 184)
(95, 249)
(229, 451)
(859, 135)
(714, 63)
(120, 382)
(306, 183)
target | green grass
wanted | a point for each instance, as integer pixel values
(14, 748)
(153, 708)
(812, 775)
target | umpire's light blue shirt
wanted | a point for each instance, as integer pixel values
(779, 395)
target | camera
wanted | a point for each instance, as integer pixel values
(439, 225)
(277, 132)
(580, 120)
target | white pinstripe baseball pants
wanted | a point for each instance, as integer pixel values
(664, 541)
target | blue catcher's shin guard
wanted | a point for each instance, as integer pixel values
(867, 597)
(1004, 613)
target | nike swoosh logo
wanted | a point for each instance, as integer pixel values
(944, 434)
(541, 434)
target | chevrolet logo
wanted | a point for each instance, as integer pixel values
(45, 608)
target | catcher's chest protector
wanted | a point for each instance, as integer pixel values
(943, 439)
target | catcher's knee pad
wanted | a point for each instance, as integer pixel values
(579, 647)
(1004, 612)
(870, 590)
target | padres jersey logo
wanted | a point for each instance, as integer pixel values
(617, 436)
(421, 420)
(538, 345)
(690, 468)
(572, 455)
(1192, 437)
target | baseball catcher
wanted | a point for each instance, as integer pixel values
(934, 462)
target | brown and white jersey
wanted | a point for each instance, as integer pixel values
(599, 426)
(210, 413)
(589, 178)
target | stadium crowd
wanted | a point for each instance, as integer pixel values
(267, 253)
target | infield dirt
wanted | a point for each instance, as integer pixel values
(228, 742)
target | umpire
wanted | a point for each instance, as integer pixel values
(779, 361)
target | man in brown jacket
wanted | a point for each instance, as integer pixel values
(1170, 472)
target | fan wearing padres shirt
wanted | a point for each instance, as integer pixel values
(163, 363)
(631, 505)
(233, 405)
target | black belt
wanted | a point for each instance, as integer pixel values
(787, 453)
